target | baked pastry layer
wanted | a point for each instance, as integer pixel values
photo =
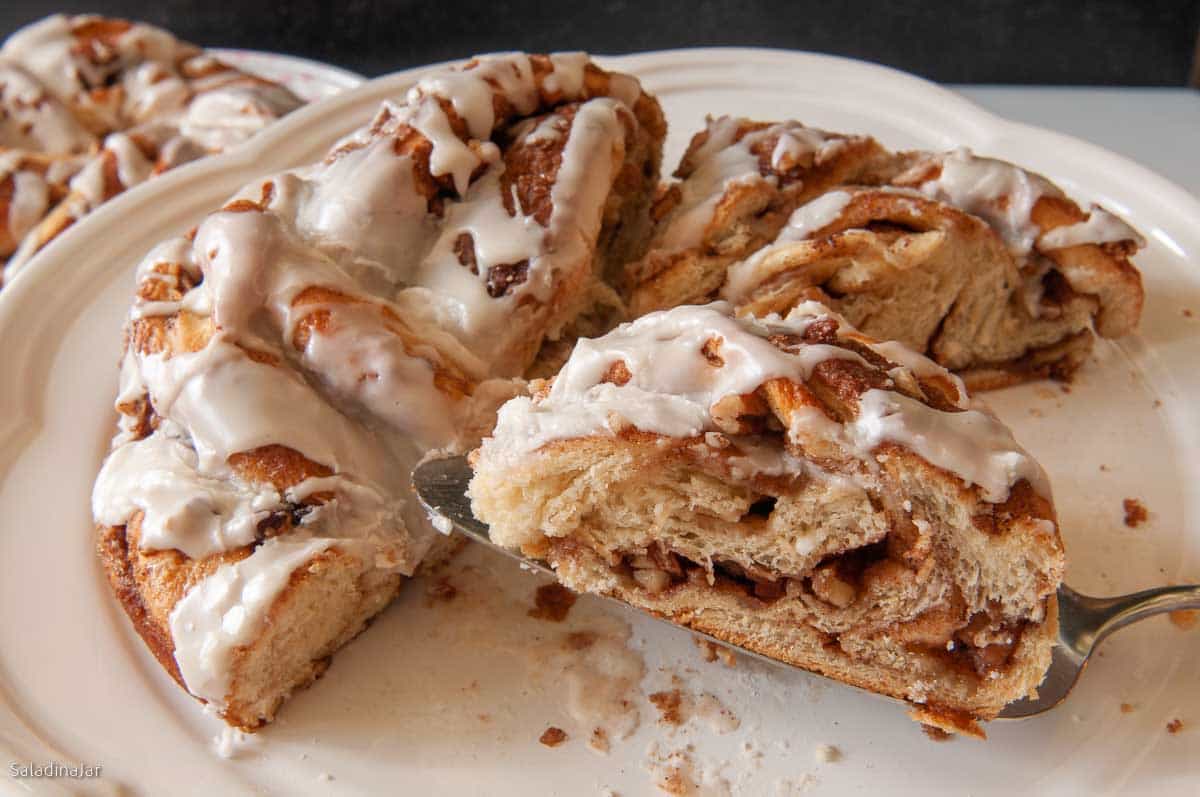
(794, 487)
(91, 106)
(987, 268)
(289, 361)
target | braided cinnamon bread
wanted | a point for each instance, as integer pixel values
(738, 182)
(794, 487)
(288, 363)
(108, 103)
(987, 268)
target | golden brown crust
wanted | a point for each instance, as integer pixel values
(112, 547)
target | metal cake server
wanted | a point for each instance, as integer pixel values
(1083, 621)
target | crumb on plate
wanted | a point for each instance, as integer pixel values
(553, 736)
(827, 753)
(552, 602)
(1135, 512)
(1185, 619)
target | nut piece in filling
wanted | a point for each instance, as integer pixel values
(795, 488)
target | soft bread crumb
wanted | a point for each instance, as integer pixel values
(827, 754)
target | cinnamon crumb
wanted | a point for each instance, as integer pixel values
(711, 651)
(1174, 726)
(1065, 388)
(1135, 512)
(669, 706)
(708, 650)
(1127, 708)
(579, 640)
(1157, 403)
(552, 602)
(1105, 468)
(935, 733)
(1187, 313)
(484, 717)
(440, 591)
(553, 737)
(675, 782)
(1185, 619)
(599, 740)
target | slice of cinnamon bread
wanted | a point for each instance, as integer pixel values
(288, 362)
(793, 487)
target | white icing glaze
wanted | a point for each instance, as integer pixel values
(581, 187)
(365, 204)
(723, 161)
(182, 508)
(229, 403)
(569, 73)
(1100, 227)
(673, 387)
(813, 215)
(972, 445)
(29, 202)
(719, 163)
(361, 362)
(919, 366)
(50, 50)
(154, 91)
(32, 119)
(218, 119)
(743, 276)
(227, 610)
(998, 192)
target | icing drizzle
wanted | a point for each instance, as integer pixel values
(723, 160)
(673, 386)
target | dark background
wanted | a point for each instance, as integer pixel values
(1113, 42)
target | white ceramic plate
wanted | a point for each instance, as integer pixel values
(447, 699)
